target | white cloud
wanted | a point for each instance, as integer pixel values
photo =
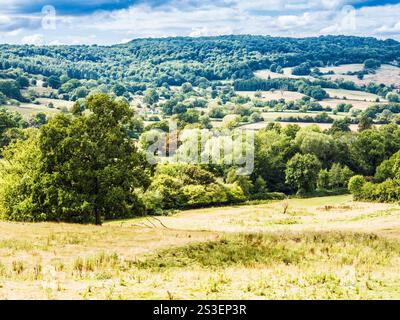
(389, 29)
(217, 17)
(345, 22)
(37, 39)
(4, 19)
(294, 21)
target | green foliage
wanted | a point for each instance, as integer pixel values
(302, 172)
(11, 89)
(388, 168)
(368, 151)
(155, 62)
(18, 173)
(217, 112)
(336, 178)
(8, 120)
(54, 82)
(372, 64)
(273, 149)
(356, 185)
(182, 185)
(304, 69)
(243, 181)
(85, 167)
(151, 97)
(3, 98)
(393, 97)
(317, 143)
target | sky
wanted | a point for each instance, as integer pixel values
(107, 22)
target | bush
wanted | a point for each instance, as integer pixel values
(355, 186)
(387, 191)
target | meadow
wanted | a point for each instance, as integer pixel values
(273, 95)
(386, 74)
(325, 248)
(353, 95)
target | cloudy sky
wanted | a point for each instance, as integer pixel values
(118, 21)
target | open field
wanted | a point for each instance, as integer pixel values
(330, 248)
(386, 74)
(287, 73)
(353, 95)
(39, 88)
(28, 110)
(357, 104)
(56, 102)
(343, 68)
(273, 95)
(262, 125)
(271, 116)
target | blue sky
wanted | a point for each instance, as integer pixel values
(117, 21)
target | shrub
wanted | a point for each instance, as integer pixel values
(355, 186)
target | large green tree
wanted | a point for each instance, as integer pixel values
(302, 172)
(88, 167)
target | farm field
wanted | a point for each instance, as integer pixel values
(357, 104)
(271, 116)
(273, 95)
(329, 248)
(386, 74)
(353, 95)
(323, 126)
(287, 73)
(343, 68)
(28, 110)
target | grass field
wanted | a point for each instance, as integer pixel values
(273, 95)
(329, 248)
(28, 110)
(343, 68)
(387, 74)
(271, 116)
(287, 73)
(357, 104)
(262, 125)
(352, 95)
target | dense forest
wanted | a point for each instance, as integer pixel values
(174, 61)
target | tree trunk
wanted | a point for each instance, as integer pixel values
(98, 217)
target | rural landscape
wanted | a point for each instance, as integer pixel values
(207, 167)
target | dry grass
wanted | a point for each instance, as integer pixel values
(352, 95)
(320, 248)
(287, 73)
(357, 104)
(387, 74)
(262, 125)
(273, 95)
(28, 110)
(344, 68)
